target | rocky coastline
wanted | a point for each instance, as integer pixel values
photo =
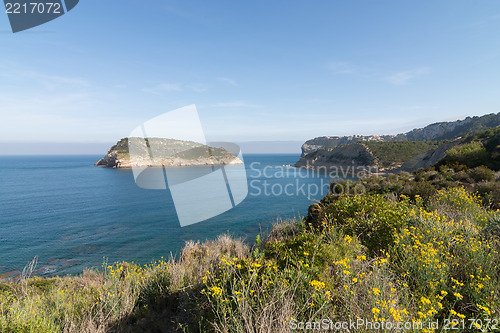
(172, 153)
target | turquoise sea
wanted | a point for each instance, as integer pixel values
(72, 214)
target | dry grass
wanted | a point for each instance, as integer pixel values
(439, 263)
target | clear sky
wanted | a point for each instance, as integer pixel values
(257, 70)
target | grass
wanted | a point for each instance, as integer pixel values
(398, 152)
(381, 256)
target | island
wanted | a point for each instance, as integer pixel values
(164, 152)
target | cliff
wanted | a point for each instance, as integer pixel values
(437, 131)
(477, 149)
(335, 141)
(354, 154)
(158, 152)
(384, 156)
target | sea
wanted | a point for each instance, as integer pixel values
(72, 215)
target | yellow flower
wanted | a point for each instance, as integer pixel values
(216, 290)
(484, 308)
(376, 291)
(425, 300)
(317, 284)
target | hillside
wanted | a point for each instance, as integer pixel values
(389, 156)
(462, 141)
(433, 132)
(157, 152)
(480, 148)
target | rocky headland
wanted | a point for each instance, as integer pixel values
(419, 148)
(437, 131)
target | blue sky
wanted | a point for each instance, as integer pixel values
(257, 70)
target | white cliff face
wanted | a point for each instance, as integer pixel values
(437, 131)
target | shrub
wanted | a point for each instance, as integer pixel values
(370, 218)
(490, 194)
(458, 203)
(447, 264)
(482, 173)
(463, 176)
(471, 154)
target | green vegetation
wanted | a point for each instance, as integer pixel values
(473, 150)
(121, 146)
(170, 148)
(426, 183)
(482, 148)
(398, 152)
(413, 248)
(204, 152)
(408, 248)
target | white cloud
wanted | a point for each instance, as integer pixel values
(228, 80)
(403, 77)
(340, 67)
(236, 104)
(166, 87)
(27, 77)
(54, 81)
(197, 87)
(162, 88)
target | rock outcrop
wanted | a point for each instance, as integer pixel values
(427, 159)
(159, 152)
(335, 141)
(436, 131)
(355, 154)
